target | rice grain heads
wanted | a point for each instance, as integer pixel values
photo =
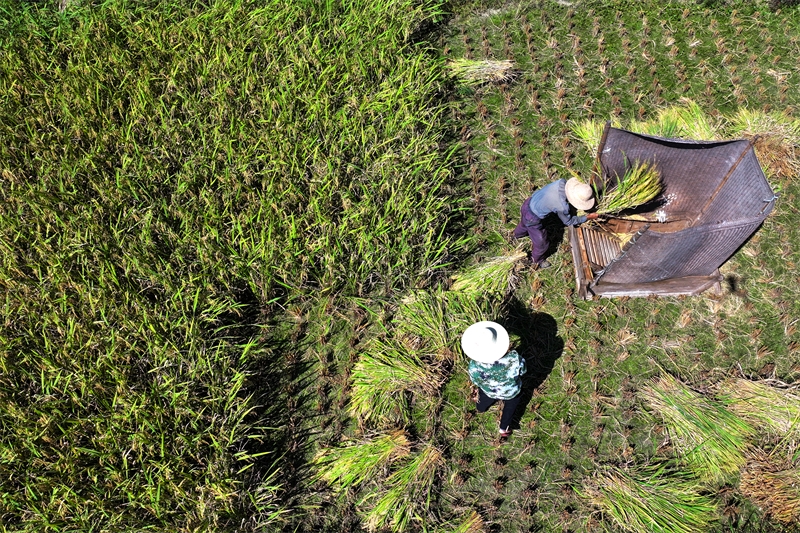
(710, 440)
(640, 184)
(763, 406)
(351, 465)
(774, 485)
(649, 499)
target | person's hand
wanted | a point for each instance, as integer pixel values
(591, 216)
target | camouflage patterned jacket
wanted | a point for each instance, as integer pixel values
(499, 380)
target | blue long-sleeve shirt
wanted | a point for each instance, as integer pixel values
(552, 199)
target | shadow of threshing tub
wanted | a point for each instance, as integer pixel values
(715, 196)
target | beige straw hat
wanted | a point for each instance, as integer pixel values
(579, 194)
(485, 342)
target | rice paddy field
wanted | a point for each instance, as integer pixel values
(239, 241)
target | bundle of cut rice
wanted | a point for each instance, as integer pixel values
(589, 132)
(495, 275)
(640, 184)
(473, 73)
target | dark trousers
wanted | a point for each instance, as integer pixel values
(509, 406)
(531, 225)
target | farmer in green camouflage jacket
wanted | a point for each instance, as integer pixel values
(494, 369)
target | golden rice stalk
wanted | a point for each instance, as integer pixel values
(472, 523)
(650, 499)
(473, 73)
(774, 486)
(589, 132)
(690, 121)
(408, 493)
(709, 439)
(350, 466)
(640, 184)
(763, 406)
(777, 142)
(380, 379)
(623, 238)
(492, 276)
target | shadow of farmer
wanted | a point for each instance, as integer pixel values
(539, 344)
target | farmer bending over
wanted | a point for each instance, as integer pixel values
(555, 197)
(494, 369)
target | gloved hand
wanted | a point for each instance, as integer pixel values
(591, 216)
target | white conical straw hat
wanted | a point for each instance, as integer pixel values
(579, 194)
(485, 342)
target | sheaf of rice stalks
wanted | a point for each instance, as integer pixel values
(380, 379)
(689, 121)
(405, 494)
(434, 321)
(640, 184)
(778, 142)
(686, 121)
(651, 499)
(763, 406)
(751, 122)
(424, 316)
(665, 127)
(472, 523)
(710, 440)
(478, 72)
(492, 276)
(349, 466)
(465, 308)
(589, 132)
(774, 486)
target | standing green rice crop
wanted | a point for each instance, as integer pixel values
(172, 173)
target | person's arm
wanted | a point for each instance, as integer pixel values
(570, 220)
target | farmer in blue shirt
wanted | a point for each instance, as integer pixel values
(556, 197)
(494, 369)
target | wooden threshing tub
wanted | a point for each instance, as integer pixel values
(715, 197)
